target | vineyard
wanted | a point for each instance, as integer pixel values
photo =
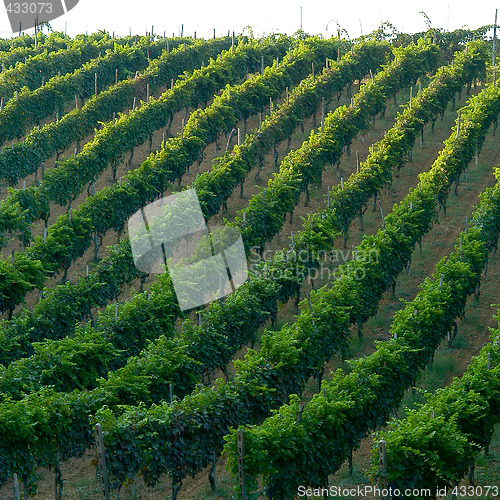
(363, 349)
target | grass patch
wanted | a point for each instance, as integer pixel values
(441, 370)
(224, 490)
(488, 466)
(461, 342)
(434, 376)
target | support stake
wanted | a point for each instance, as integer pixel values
(17, 496)
(323, 109)
(382, 214)
(101, 458)
(241, 473)
(382, 461)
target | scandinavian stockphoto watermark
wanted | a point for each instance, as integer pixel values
(311, 265)
(24, 15)
(369, 491)
(172, 234)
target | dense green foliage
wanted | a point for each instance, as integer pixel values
(262, 381)
(119, 369)
(111, 207)
(333, 424)
(55, 315)
(24, 158)
(431, 452)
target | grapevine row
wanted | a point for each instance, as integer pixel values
(441, 438)
(354, 403)
(42, 67)
(110, 207)
(23, 47)
(24, 158)
(6, 44)
(55, 315)
(55, 41)
(30, 107)
(288, 357)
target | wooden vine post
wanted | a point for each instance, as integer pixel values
(17, 495)
(101, 459)
(58, 483)
(382, 461)
(241, 473)
(323, 109)
(382, 214)
(494, 47)
(299, 414)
